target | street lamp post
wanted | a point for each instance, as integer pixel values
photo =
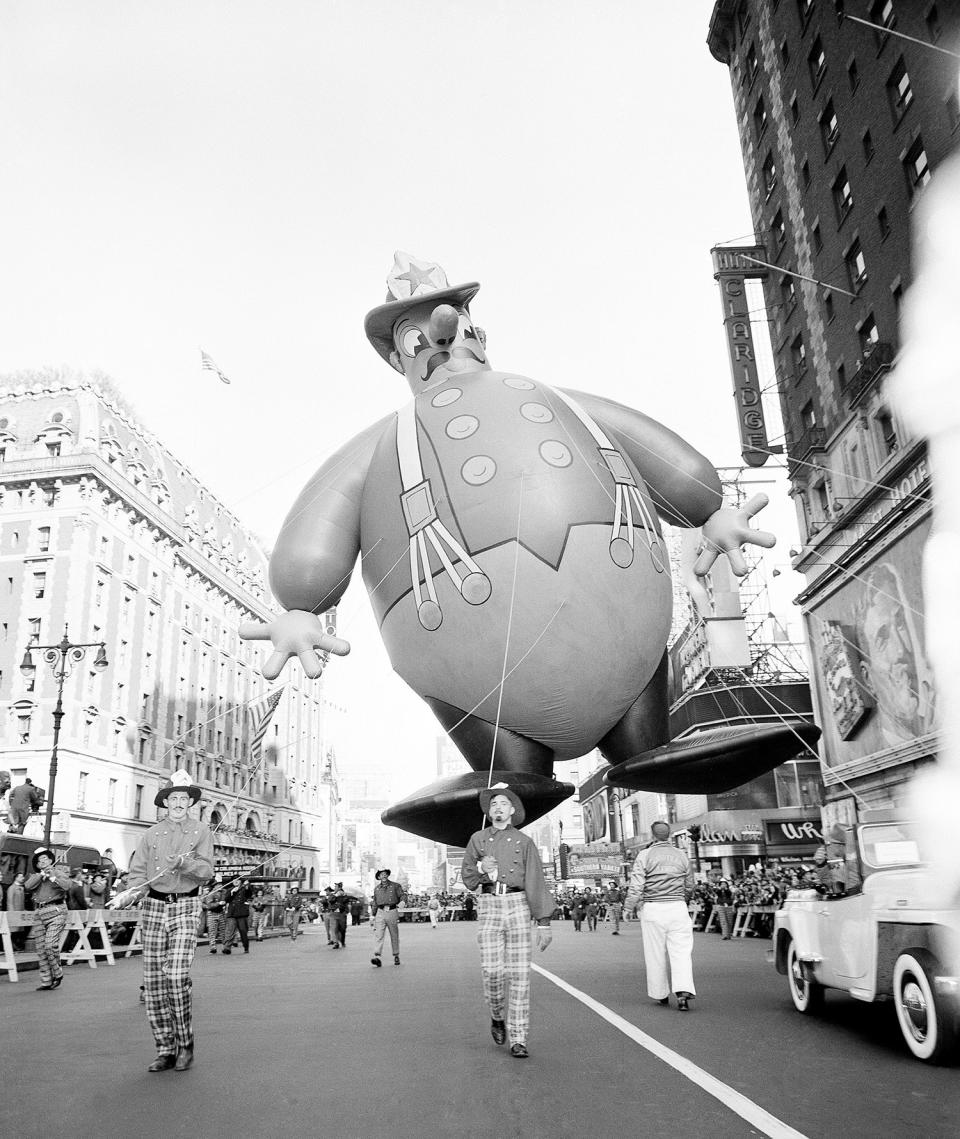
(61, 658)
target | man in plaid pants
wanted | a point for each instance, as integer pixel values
(505, 865)
(173, 858)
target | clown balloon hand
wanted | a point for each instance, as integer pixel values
(544, 937)
(296, 634)
(726, 530)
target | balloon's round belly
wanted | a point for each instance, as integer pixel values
(574, 646)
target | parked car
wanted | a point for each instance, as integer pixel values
(877, 932)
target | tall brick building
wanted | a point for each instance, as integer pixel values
(103, 531)
(842, 125)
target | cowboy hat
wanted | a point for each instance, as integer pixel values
(42, 850)
(179, 781)
(383, 870)
(502, 789)
(411, 283)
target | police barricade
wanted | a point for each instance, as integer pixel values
(83, 923)
(745, 915)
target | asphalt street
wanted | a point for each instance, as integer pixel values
(298, 1039)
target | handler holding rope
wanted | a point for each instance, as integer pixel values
(173, 858)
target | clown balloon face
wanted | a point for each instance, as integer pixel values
(432, 343)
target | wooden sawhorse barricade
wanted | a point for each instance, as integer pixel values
(83, 923)
(745, 915)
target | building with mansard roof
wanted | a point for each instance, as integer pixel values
(104, 533)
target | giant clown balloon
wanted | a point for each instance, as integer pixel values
(511, 548)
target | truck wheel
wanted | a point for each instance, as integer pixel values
(807, 994)
(927, 1019)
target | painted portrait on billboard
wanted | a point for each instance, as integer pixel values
(893, 661)
(877, 692)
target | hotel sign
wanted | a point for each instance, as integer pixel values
(731, 266)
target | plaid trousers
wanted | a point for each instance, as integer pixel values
(53, 920)
(169, 935)
(505, 938)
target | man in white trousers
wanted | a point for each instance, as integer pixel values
(662, 883)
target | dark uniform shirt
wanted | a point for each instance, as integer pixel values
(44, 891)
(519, 865)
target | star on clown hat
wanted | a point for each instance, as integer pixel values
(412, 282)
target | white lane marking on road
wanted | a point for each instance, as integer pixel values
(729, 1097)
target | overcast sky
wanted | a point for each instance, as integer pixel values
(236, 174)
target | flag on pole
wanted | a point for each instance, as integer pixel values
(260, 714)
(207, 362)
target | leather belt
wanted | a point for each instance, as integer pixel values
(386, 907)
(44, 905)
(170, 898)
(500, 888)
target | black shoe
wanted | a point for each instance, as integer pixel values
(376, 961)
(615, 933)
(226, 951)
(519, 1051)
(498, 1030)
(663, 1001)
(213, 951)
(45, 988)
(184, 1059)
(683, 1001)
(57, 983)
(396, 958)
(163, 1062)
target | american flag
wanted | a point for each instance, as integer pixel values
(207, 361)
(260, 714)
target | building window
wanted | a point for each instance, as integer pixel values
(856, 266)
(777, 229)
(916, 166)
(899, 91)
(111, 796)
(882, 13)
(798, 354)
(853, 74)
(828, 306)
(34, 625)
(868, 335)
(953, 110)
(822, 495)
(842, 195)
(808, 416)
(829, 126)
(138, 801)
(769, 174)
(804, 8)
(795, 110)
(23, 727)
(39, 585)
(934, 28)
(805, 173)
(760, 117)
(751, 66)
(842, 376)
(82, 791)
(43, 539)
(888, 432)
(53, 450)
(50, 496)
(788, 294)
(784, 52)
(868, 150)
(883, 222)
(817, 62)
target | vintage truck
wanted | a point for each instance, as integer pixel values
(877, 931)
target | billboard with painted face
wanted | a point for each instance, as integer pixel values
(874, 682)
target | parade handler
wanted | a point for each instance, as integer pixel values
(173, 858)
(662, 883)
(505, 864)
(387, 896)
(49, 885)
